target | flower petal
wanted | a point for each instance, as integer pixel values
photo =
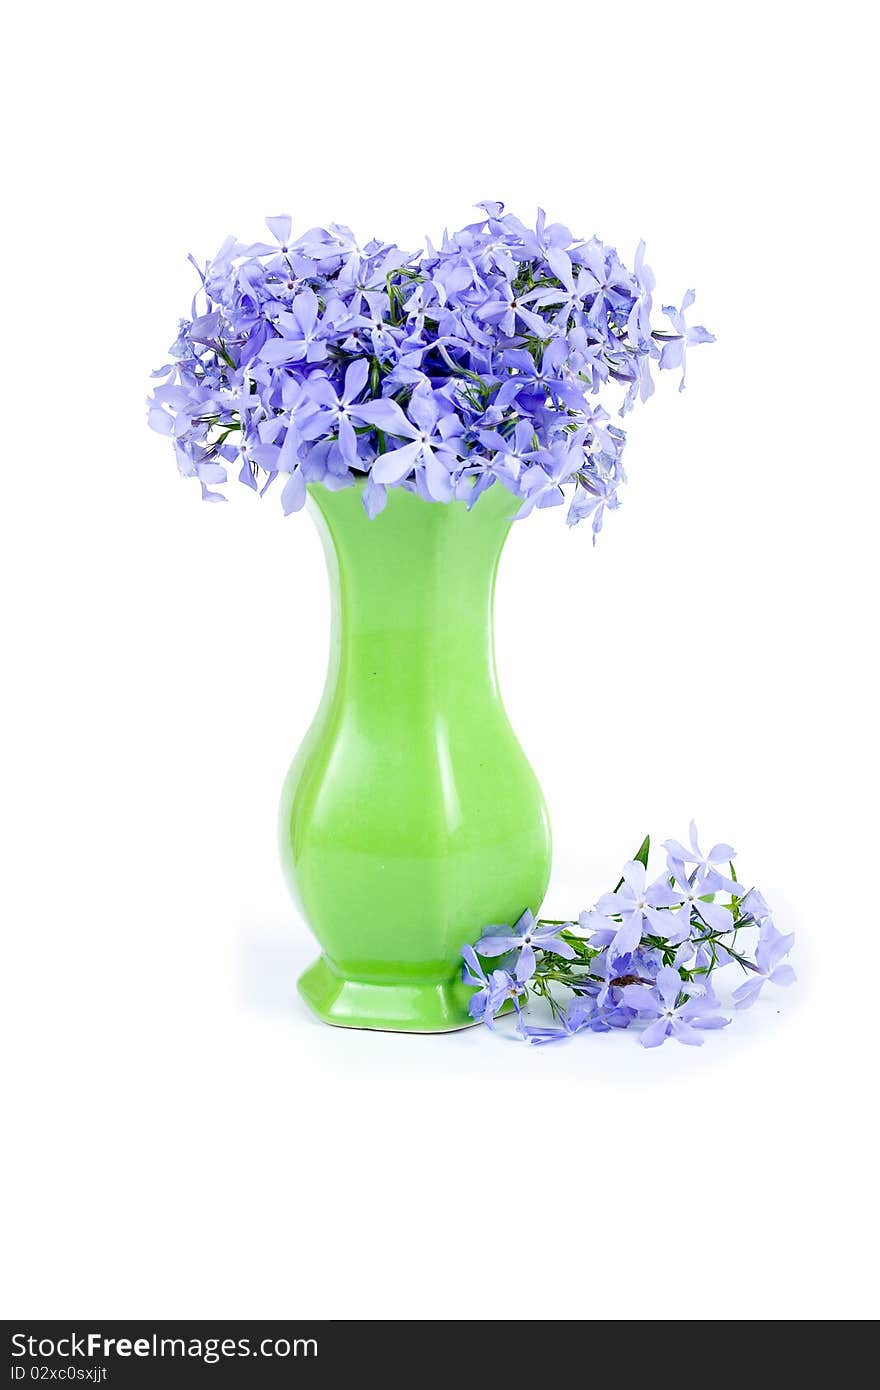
(634, 875)
(385, 415)
(280, 228)
(628, 935)
(783, 975)
(745, 996)
(655, 1033)
(394, 466)
(685, 1033)
(355, 379)
(294, 494)
(668, 985)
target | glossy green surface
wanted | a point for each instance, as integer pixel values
(410, 818)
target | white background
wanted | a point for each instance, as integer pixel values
(183, 1139)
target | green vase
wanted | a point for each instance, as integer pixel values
(410, 818)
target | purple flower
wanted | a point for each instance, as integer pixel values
(571, 296)
(432, 447)
(755, 904)
(599, 1005)
(591, 497)
(572, 1020)
(606, 280)
(510, 310)
(674, 351)
(533, 378)
(511, 455)
(692, 891)
(491, 991)
(673, 1013)
(302, 334)
(337, 409)
(639, 904)
(679, 857)
(328, 360)
(770, 965)
(549, 1033)
(650, 952)
(526, 936)
(541, 482)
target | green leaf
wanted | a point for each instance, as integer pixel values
(643, 851)
(734, 901)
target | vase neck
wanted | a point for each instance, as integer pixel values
(414, 587)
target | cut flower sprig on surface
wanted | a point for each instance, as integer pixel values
(480, 362)
(646, 955)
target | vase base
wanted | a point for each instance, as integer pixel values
(396, 1008)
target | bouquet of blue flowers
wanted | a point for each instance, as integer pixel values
(646, 955)
(480, 362)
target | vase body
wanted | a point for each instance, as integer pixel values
(410, 818)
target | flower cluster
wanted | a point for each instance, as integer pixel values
(645, 954)
(481, 361)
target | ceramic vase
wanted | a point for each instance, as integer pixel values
(410, 818)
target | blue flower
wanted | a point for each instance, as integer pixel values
(671, 1012)
(649, 953)
(674, 351)
(591, 497)
(432, 449)
(639, 904)
(524, 938)
(510, 312)
(492, 991)
(301, 334)
(678, 856)
(510, 455)
(444, 372)
(337, 409)
(770, 964)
